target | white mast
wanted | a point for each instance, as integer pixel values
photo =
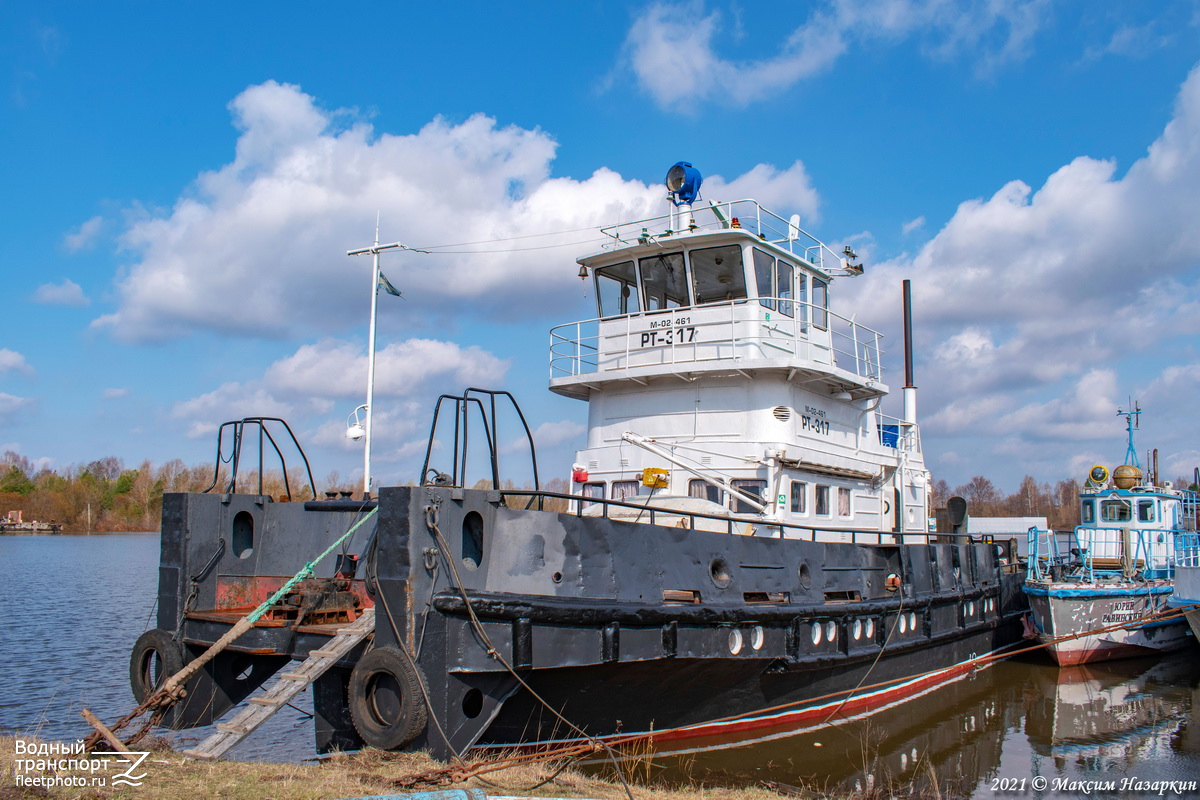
(374, 250)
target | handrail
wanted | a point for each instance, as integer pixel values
(234, 459)
(751, 216)
(851, 346)
(729, 520)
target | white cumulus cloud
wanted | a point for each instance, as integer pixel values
(12, 361)
(257, 247)
(1037, 310)
(65, 293)
(671, 48)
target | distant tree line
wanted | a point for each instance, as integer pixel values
(1058, 503)
(105, 496)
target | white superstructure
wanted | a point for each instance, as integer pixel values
(715, 359)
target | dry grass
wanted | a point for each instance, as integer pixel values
(171, 777)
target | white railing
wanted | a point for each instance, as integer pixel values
(895, 432)
(742, 330)
(750, 216)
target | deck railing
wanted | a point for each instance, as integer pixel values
(750, 216)
(1101, 553)
(743, 329)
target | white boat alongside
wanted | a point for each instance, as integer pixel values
(1103, 599)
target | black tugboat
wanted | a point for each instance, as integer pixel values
(744, 546)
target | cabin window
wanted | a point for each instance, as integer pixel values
(592, 492)
(1088, 512)
(623, 490)
(802, 298)
(1145, 510)
(616, 288)
(664, 281)
(1115, 511)
(783, 287)
(699, 488)
(843, 501)
(799, 497)
(754, 488)
(717, 274)
(822, 500)
(764, 274)
(820, 302)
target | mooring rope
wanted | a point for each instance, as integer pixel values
(172, 690)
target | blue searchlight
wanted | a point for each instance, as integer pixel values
(683, 182)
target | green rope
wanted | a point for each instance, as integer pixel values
(254, 615)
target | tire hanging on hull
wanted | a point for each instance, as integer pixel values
(156, 656)
(387, 699)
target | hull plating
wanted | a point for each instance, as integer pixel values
(617, 626)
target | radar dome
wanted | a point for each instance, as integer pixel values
(1127, 476)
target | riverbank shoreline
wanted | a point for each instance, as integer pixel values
(55, 772)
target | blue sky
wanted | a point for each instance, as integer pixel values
(182, 182)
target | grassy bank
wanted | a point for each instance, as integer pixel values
(168, 776)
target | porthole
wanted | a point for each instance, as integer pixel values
(816, 633)
(242, 537)
(472, 704)
(831, 631)
(858, 629)
(803, 575)
(472, 540)
(912, 622)
(735, 641)
(720, 573)
(903, 624)
(757, 637)
(870, 629)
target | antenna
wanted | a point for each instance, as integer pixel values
(1132, 422)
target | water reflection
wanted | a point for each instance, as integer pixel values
(985, 734)
(76, 604)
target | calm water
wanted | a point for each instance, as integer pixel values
(75, 604)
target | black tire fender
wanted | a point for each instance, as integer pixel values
(387, 699)
(156, 656)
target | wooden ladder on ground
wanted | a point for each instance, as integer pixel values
(285, 686)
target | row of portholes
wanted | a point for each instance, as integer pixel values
(988, 605)
(737, 640)
(908, 622)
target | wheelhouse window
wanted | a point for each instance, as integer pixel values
(754, 488)
(764, 276)
(1115, 511)
(664, 281)
(783, 287)
(843, 501)
(799, 497)
(820, 303)
(1145, 510)
(822, 503)
(1087, 512)
(704, 489)
(616, 287)
(592, 492)
(624, 490)
(717, 274)
(802, 299)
